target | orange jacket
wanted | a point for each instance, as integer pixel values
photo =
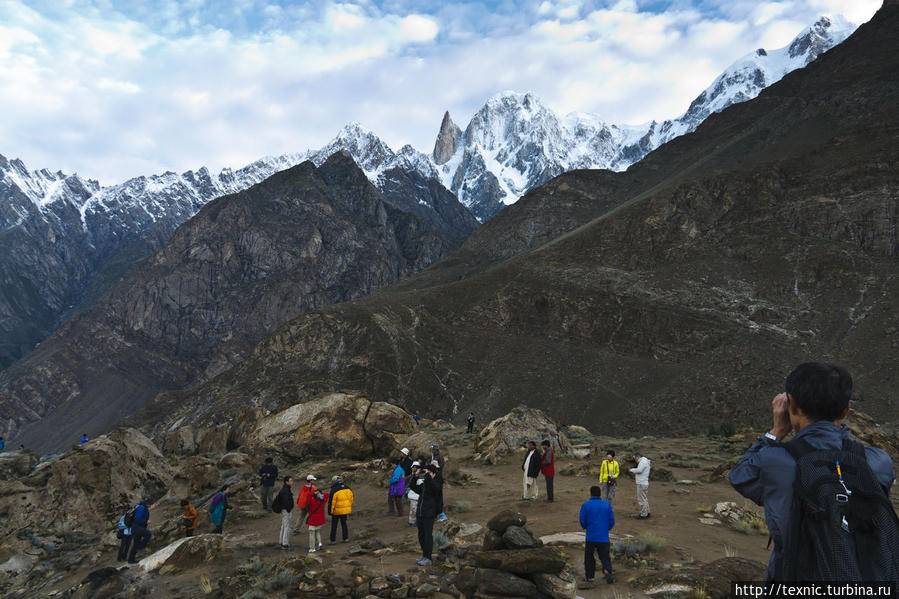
(303, 496)
(189, 512)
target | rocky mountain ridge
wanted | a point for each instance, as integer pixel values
(246, 262)
(515, 142)
(687, 285)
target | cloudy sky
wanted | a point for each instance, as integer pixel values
(117, 88)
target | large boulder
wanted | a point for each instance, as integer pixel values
(14, 464)
(556, 586)
(521, 561)
(88, 487)
(506, 518)
(181, 441)
(341, 425)
(497, 582)
(419, 444)
(508, 433)
(196, 476)
(185, 554)
(712, 579)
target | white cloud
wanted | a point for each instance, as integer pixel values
(113, 95)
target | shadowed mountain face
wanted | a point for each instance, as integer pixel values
(667, 298)
(243, 265)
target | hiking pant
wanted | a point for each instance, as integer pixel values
(142, 536)
(470, 426)
(549, 487)
(426, 536)
(267, 493)
(284, 538)
(395, 504)
(643, 499)
(304, 511)
(315, 537)
(530, 487)
(123, 547)
(413, 506)
(189, 532)
(590, 561)
(343, 527)
(608, 491)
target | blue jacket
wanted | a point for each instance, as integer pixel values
(766, 473)
(597, 519)
(141, 515)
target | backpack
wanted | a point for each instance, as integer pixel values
(842, 524)
(129, 517)
(276, 504)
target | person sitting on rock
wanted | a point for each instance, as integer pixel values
(218, 508)
(303, 501)
(268, 476)
(609, 471)
(641, 478)
(140, 530)
(316, 519)
(340, 506)
(531, 469)
(189, 517)
(428, 487)
(597, 519)
(284, 504)
(396, 488)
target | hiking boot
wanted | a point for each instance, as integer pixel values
(312, 551)
(609, 578)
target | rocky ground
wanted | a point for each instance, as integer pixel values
(693, 545)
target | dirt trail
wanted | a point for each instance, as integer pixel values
(491, 488)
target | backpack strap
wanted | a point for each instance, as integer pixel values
(798, 448)
(853, 446)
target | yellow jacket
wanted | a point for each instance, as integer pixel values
(342, 502)
(607, 468)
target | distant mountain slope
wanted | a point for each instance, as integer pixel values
(64, 238)
(246, 262)
(667, 298)
(514, 142)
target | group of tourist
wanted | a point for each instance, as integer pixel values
(813, 406)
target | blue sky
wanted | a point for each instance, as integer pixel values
(113, 89)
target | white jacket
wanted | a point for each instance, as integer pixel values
(641, 472)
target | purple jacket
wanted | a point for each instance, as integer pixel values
(397, 482)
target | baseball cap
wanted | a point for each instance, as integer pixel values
(404, 451)
(434, 446)
(310, 477)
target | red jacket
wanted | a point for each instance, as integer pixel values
(548, 465)
(317, 509)
(305, 491)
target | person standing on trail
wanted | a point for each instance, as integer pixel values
(406, 461)
(548, 467)
(83, 439)
(316, 519)
(140, 530)
(303, 501)
(641, 478)
(597, 518)
(189, 517)
(396, 488)
(218, 508)
(340, 506)
(608, 476)
(428, 486)
(411, 494)
(283, 504)
(268, 475)
(470, 422)
(439, 461)
(531, 469)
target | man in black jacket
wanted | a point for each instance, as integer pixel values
(429, 488)
(268, 476)
(284, 504)
(531, 468)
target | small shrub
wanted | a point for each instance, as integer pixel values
(463, 506)
(281, 581)
(651, 542)
(440, 540)
(727, 429)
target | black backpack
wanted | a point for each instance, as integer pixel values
(842, 524)
(276, 504)
(129, 517)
